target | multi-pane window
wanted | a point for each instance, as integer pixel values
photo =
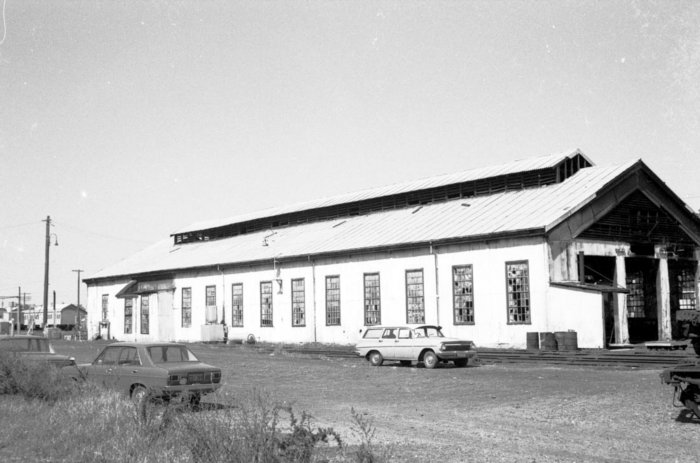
(518, 288)
(298, 303)
(237, 304)
(415, 300)
(210, 304)
(144, 313)
(332, 300)
(186, 307)
(635, 295)
(265, 303)
(686, 289)
(373, 309)
(105, 299)
(128, 315)
(463, 294)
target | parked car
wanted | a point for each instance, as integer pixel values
(33, 348)
(424, 343)
(155, 370)
(685, 379)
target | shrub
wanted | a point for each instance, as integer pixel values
(33, 380)
(254, 433)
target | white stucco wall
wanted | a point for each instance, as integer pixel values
(488, 260)
(578, 310)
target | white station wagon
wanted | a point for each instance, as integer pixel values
(424, 343)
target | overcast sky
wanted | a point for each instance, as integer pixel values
(126, 120)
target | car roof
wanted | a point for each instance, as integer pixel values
(144, 344)
(20, 336)
(413, 327)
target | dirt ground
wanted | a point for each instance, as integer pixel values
(494, 413)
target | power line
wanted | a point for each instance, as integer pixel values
(103, 235)
(7, 227)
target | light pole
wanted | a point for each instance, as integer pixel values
(46, 268)
(77, 316)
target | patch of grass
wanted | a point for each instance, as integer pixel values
(33, 380)
(367, 451)
(254, 432)
(103, 426)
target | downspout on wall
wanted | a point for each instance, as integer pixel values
(313, 291)
(437, 285)
(223, 294)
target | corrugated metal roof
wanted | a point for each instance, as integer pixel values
(507, 212)
(522, 165)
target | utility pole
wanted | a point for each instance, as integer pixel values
(19, 308)
(77, 315)
(46, 269)
(24, 303)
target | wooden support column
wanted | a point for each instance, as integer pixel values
(571, 263)
(663, 296)
(622, 335)
(696, 256)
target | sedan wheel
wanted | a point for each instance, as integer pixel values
(375, 359)
(138, 395)
(195, 400)
(430, 360)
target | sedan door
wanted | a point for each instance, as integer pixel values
(101, 371)
(129, 369)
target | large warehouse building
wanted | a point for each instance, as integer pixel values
(539, 245)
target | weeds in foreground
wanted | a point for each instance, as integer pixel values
(255, 433)
(72, 422)
(33, 380)
(364, 429)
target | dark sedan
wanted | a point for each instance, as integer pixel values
(156, 370)
(34, 349)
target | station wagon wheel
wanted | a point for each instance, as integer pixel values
(375, 358)
(430, 360)
(138, 395)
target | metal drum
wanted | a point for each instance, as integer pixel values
(548, 341)
(533, 341)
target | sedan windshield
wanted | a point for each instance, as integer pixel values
(170, 354)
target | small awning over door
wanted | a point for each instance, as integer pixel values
(135, 288)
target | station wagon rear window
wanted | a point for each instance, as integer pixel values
(373, 333)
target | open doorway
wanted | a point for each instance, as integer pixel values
(641, 299)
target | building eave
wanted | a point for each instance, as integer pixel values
(220, 266)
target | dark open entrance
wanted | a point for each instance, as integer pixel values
(600, 271)
(641, 299)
